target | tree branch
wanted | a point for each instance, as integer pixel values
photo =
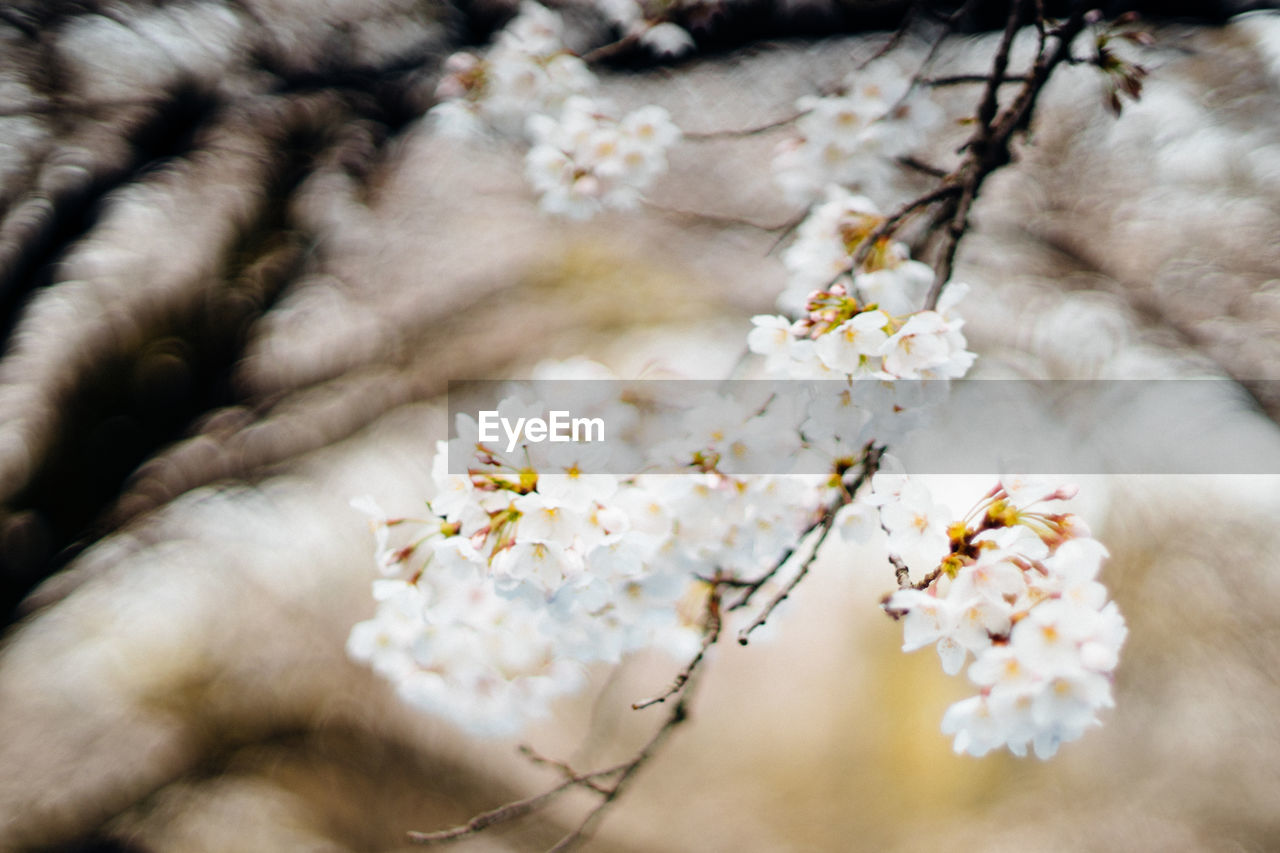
(510, 811)
(988, 149)
(710, 635)
(870, 464)
(734, 133)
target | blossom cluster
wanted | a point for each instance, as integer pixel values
(1015, 586)
(587, 159)
(851, 137)
(584, 157)
(530, 563)
(526, 567)
(659, 37)
(526, 72)
(863, 322)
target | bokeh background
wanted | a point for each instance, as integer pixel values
(237, 272)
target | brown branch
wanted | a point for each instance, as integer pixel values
(612, 49)
(870, 464)
(679, 713)
(991, 96)
(918, 165)
(710, 635)
(608, 793)
(565, 769)
(511, 811)
(898, 34)
(891, 223)
(962, 79)
(828, 521)
(901, 572)
(751, 587)
(989, 148)
(924, 582)
(788, 231)
(735, 133)
(717, 219)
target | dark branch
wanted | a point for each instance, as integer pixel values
(989, 148)
(961, 79)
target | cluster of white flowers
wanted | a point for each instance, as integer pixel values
(824, 248)
(660, 38)
(584, 157)
(531, 562)
(588, 160)
(526, 567)
(850, 138)
(454, 647)
(526, 72)
(864, 322)
(1015, 585)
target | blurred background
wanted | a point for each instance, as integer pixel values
(237, 272)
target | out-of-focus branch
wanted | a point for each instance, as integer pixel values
(513, 810)
(733, 133)
(961, 79)
(782, 228)
(609, 793)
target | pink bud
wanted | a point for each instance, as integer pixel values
(460, 62)
(1065, 493)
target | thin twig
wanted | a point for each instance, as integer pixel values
(608, 793)
(901, 572)
(610, 50)
(894, 40)
(870, 464)
(962, 79)
(890, 223)
(751, 587)
(718, 219)
(948, 28)
(565, 769)
(991, 96)
(710, 635)
(918, 165)
(511, 811)
(788, 231)
(679, 713)
(828, 522)
(924, 582)
(735, 133)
